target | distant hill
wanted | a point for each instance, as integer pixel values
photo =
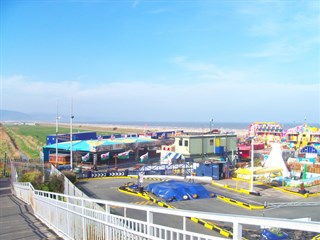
(15, 116)
(7, 115)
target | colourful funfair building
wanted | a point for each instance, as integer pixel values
(265, 132)
(303, 135)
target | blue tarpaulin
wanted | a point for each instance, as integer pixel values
(178, 190)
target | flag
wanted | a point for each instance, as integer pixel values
(144, 157)
(124, 155)
(169, 159)
(105, 156)
(85, 158)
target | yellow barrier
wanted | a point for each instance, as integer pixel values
(206, 224)
(101, 178)
(306, 195)
(240, 204)
(241, 190)
(316, 237)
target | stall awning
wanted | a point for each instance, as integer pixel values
(172, 155)
(257, 171)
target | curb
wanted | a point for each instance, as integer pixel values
(101, 178)
(205, 224)
(240, 204)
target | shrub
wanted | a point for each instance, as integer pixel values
(70, 175)
(56, 184)
(34, 177)
(44, 187)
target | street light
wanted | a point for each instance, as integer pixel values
(252, 163)
(211, 124)
(57, 128)
(71, 138)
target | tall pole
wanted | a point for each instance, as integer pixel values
(71, 137)
(57, 128)
(116, 162)
(5, 164)
(252, 162)
(202, 147)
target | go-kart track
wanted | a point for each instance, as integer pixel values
(225, 201)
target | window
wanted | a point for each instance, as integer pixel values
(186, 143)
(180, 142)
(211, 142)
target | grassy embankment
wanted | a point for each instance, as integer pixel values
(29, 139)
(6, 145)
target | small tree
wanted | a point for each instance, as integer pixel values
(34, 177)
(70, 175)
(56, 184)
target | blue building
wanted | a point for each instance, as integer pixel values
(51, 139)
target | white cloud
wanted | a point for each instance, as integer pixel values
(135, 3)
(159, 11)
(137, 101)
(210, 71)
(273, 49)
(284, 30)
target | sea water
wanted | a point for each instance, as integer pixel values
(195, 125)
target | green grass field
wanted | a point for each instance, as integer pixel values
(31, 138)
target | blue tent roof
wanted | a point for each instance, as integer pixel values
(178, 190)
(309, 149)
(88, 145)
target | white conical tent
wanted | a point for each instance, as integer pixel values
(275, 159)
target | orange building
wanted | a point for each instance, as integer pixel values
(63, 159)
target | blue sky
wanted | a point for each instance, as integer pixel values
(234, 61)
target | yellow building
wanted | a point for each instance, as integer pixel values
(303, 135)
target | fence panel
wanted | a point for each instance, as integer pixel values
(74, 217)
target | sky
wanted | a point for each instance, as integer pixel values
(170, 60)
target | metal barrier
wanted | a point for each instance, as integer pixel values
(75, 218)
(80, 217)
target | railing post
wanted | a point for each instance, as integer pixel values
(107, 214)
(68, 215)
(237, 231)
(184, 227)
(57, 218)
(149, 222)
(83, 221)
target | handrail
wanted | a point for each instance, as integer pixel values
(71, 205)
(75, 217)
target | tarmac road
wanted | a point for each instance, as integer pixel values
(107, 189)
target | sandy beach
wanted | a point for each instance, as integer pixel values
(119, 128)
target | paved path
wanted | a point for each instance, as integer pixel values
(16, 218)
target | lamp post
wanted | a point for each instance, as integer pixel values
(211, 124)
(57, 128)
(252, 163)
(71, 138)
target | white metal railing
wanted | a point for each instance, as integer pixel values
(74, 218)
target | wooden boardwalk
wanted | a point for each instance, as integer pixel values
(16, 218)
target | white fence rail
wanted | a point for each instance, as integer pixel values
(73, 215)
(76, 218)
